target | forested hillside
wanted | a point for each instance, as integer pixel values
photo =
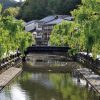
(7, 3)
(36, 9)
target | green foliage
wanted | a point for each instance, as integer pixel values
(12, 11)
(59, 35)
(88, 16)
(34, 9)
(83, 33)
(13, 36)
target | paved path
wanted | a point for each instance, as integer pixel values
(8, 75)
(92, 78)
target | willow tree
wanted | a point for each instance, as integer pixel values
(83, 33)
(59, 36)
(13, 36)
(88, 17)
(11, 11)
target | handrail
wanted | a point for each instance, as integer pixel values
(9, 59)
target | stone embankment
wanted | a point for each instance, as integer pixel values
(8, 75)
(91, 78)
(9, 68)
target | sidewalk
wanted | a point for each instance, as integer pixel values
(8, 75)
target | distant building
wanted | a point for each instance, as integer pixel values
(50, 22)
(41, 29)
(31, 26)
(35, 28)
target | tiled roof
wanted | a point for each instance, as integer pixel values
(47, 19)
(28, 23)
(69, 18)
(56, 21)
(52, 17)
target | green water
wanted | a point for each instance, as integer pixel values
(46, 86)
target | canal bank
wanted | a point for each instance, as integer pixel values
(92, 79)
(9, 75)
(9, 69)
(37, 85)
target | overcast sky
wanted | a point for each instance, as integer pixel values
(19, 0)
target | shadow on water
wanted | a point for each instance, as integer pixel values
(48, 85)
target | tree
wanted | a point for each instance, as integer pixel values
(59, 36)
(34, 9)
(13, 36)
(83, 33)
(88, 16)
(12, 11)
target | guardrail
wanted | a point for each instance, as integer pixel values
(46, 49)
(91, 78)
(94, 64)
(9, 60)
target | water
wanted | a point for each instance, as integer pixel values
(46, 86)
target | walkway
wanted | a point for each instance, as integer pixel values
(8, 75)
(91, 78)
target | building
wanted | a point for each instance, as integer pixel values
(49, 25)
(35, 27)
(41, 29)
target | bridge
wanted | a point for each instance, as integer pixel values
(47, 49)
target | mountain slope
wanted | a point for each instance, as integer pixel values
(7, 3)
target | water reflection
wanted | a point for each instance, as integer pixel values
(45, 86)
(39, 86)
(46, 60)
(13, 92)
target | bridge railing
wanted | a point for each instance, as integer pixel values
(47, 49)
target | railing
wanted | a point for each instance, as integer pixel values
(89, 61)
(5, 62)
(47, 49)
(85, 75)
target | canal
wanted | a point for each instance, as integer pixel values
(48, 85)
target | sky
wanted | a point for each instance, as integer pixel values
(19, 0)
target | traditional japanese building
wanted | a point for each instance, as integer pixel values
(41, 29)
